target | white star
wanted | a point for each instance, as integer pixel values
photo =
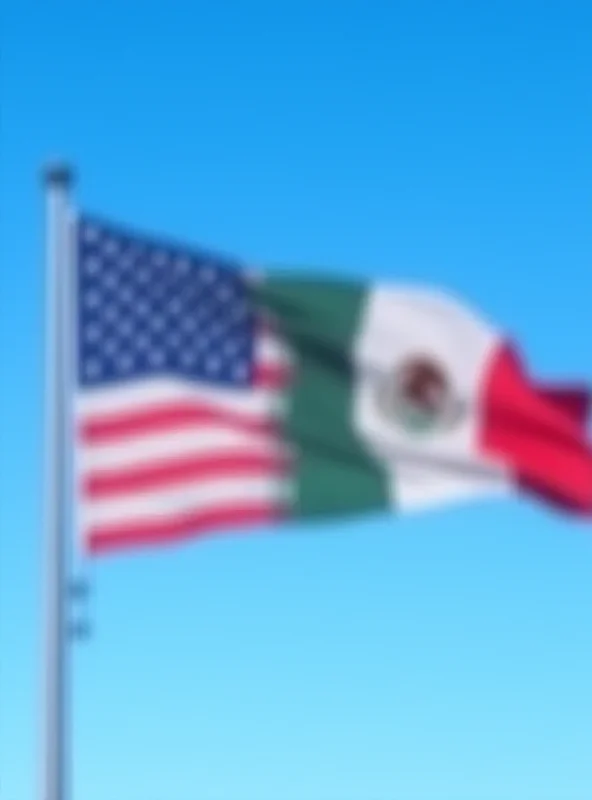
(142, 341)
(183, 265)
(125, 327)
(111, 313)
(207, 274)
(173, 340)
(188, 358)
(202, 318)
(111, 247)
(92, 265)
(110, 346)
(156, 358)
(224, 293)
(213, 364)
(240, 370)
(110, 280)
(157, 323)
(126, 295)
(134, 252)
(92, 368)
(160, 258)
(217, 330)
(92, 299)
(175, 306)
(142, 308)
(90, 233)
(92, 333)
(127, 259)
(125, 362)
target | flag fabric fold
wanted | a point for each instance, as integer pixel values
(208, 401)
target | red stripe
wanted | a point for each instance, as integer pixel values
(573, 401)
(167, 418)
(272, 376)
(545, 448)
(180, 528)
(110, 483)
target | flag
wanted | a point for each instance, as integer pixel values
(179, 394)
(208, 399)
(405, 397)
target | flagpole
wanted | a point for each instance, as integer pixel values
(58, 179)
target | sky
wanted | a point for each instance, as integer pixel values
(446, 656)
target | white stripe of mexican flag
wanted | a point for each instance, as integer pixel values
(422, 361)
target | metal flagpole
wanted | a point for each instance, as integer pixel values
(58, 179)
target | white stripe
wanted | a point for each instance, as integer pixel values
(138, 450)
(397, 326)
(145, 393)
(272, 350)
(417, 487)
(198, 497)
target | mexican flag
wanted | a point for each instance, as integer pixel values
(403, 398)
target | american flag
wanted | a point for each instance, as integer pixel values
(179, 393)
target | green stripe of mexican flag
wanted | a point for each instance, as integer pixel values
(375, 409)
(335, 474)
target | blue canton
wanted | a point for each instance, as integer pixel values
(149, 309)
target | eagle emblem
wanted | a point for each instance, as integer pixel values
(419, 396)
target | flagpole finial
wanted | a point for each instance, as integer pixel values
(58, 174)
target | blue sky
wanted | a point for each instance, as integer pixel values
(443, 657)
